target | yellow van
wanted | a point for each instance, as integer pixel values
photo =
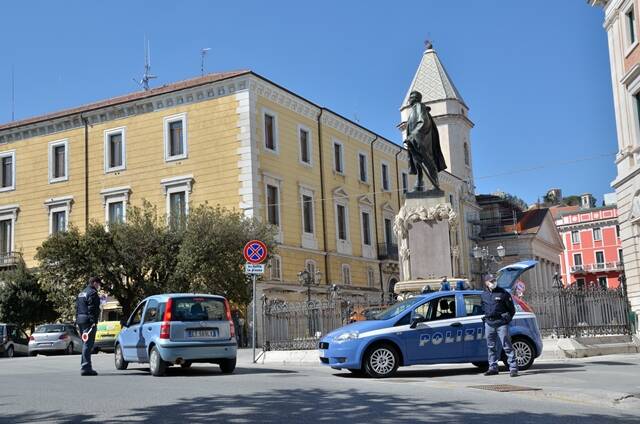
(108, 327)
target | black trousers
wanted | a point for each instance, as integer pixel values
(87, 347)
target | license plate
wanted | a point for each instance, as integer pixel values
(322, 353)
(45, 344)
(210, 332)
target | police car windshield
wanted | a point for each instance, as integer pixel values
(397, 309)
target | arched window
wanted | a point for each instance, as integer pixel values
(466, 153)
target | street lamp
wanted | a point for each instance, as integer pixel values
(308, 279)
(485, 257)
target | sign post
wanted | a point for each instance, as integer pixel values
(255, 252)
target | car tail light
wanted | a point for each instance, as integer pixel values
(165, 327)
(523, 305)
(232, 329)
(64, 337)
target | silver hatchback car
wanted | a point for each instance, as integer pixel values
(55, 338)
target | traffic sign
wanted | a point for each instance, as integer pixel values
(255, 252)
(254, 269)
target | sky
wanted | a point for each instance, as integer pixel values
(535, 75)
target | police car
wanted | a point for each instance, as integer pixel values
(440, 327)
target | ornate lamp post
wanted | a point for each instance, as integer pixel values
(308, 279)
(485, 257)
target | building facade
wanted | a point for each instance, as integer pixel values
(330, 186)
(621, 24)
(593, 254)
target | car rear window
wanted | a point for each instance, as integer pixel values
(198, 309)
(50, 329)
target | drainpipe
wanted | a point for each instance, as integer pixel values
(323, 203)
(375, 212)
(85, 121)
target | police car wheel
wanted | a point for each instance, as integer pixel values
(524, 353)
(381, 361)
(9, 352)
(156, 365)
(121, 364)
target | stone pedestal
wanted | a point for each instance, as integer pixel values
(423, 229)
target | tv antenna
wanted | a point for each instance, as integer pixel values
(147, 76)
(203, 53)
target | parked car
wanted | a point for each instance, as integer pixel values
(108, 327)
(178, 329)
(439, 327)
(55, 338)
(13, 341)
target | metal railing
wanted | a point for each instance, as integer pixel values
(9, 259)
(574, 312)
(388, 251)
(300, 325)
(597, 267)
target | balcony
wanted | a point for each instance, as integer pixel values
(9, 259)
(597, 267)
(388, 251)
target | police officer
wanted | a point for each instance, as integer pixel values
(87, 312)
(498, 312)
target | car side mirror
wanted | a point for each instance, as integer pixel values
(415, 319)
(123, 323)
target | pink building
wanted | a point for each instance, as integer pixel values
(593, 251)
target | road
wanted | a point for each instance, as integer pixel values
(50, 389)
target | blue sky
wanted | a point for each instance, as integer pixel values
(534, 74)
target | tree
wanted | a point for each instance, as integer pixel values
(210, 258)
(134, 259)
(22, 299)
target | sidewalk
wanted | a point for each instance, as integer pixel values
(553, 349)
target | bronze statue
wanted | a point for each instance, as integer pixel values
(423, 143)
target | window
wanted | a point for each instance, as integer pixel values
(305, 145)
(620, 255)
(597, 234)
(618, 231)
(575, 237)
(385, 177)
(275, 264)
(273, 205)
(58, 162)
(6, 236)
(466, 154)
(577, 259)
(346, 274)
(136, 316)
(438, 309)
(270, 131)
(362, 166)
(59, 209)
(473, 304)
(58, 221)
(177, 208)
(341, 212)
(388, 231)
(114, 150)
(338, 164)
(602, 282)
(371, 277)
(366, 229)
(631, 25)
(8, 170)
(175, 137)
(580, 283)
(310, 266)
(636, 101)
(405, 182)
(115, 212)
(307, 214)
(599, 259)
(115, 202)
(151, 314)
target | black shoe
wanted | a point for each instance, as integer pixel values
(88, 373)
(513, 373)
(491, 372)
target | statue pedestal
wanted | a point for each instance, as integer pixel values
(423, 229)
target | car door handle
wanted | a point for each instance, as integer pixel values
(456, 324)
(148, 328)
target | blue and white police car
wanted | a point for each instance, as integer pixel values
(439, 327)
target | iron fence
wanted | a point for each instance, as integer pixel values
(574, 312)
(300, 325)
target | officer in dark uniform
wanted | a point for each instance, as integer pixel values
(498, 312)
(87, 313)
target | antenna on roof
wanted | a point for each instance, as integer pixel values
(144, 82)
(203, 53)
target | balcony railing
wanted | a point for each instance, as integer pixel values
(388, 251)
(9, 259)
(597, 267)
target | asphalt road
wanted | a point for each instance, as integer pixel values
(50, 389)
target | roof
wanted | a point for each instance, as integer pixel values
(167, 88)
(432, 81)
(557, 211)
(586, 210)
(530, 221)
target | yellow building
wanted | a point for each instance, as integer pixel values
(331, 186)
